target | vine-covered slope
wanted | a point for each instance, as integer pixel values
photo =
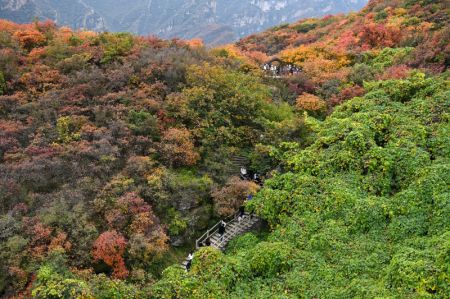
(359, 208)
(111, 149)
(360, 213)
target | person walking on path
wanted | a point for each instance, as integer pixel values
(189, 263)
(222, 230)
(244, 174)
(241, 213)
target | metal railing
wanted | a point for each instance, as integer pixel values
(213, 230)
(236, 228)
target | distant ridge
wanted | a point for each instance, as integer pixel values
(215, 21)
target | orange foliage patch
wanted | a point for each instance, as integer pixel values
(195, 43)
(30, 38)
(310, 102)
(228, 199)
(177, 147)
(109, 248)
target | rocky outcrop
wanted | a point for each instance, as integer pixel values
(13, 5)
(75, 14)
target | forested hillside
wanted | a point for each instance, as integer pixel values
(116, 150)
(111, 146)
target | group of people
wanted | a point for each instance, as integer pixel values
(288, 69)
(270, 67)
(255, 177)
(240, 216)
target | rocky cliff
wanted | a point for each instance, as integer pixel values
(216, 21)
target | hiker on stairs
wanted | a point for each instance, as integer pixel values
(222, 226)
(241, 213)
(257, 179)
(189, 262)
(244, 175)
(205, 243)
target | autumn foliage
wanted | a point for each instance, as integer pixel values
(177, 147)
(229, 198)
(117, 152)
(309, 102)
(30, 39)
(109, 248)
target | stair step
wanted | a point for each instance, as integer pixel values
(239, 161)
(240, 158)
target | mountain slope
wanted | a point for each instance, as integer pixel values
(112, 147)
(359, 208)
(360, 213)
(115, 150)
(75, 14)
(216, 21)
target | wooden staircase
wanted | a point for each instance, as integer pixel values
(233, 228)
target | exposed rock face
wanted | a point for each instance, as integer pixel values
(216, 21)
(13, 4)
(72, 13)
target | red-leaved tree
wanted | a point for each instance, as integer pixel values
(109, 248)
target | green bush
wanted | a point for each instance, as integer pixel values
(115, 45)
(305, 27)
(2, 83)
(68, 128)
(143, 123)
(388, 57)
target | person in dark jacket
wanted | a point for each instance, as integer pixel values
(241, 213)
(222, 230)
(257, 179)
(205, 243)
(188, 265)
